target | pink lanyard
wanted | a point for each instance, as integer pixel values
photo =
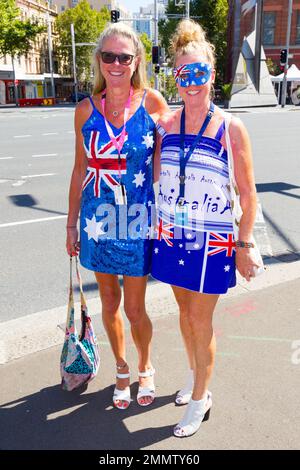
(120, 142)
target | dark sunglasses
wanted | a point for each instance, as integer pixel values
(110, 57)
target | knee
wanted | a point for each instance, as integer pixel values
(110, 301)
(134, 312)
(198, 323)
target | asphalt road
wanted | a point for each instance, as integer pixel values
(36, 159)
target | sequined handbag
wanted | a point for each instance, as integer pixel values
(80, 357)
(236, 209)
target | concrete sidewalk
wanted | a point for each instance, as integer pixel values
(255, 386)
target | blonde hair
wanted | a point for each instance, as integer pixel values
(138, 79)
(190, 38)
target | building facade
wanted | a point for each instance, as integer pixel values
(143, 22)
(274, 31)
(63, 5)
(32, 72)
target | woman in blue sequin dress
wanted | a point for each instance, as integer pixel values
(112, 186)
(195, 250)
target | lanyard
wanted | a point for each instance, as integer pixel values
(118, 143)
(185, 158)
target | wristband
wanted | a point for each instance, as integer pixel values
(241, 244)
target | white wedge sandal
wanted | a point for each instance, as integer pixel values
(122, 395)
(146, 391)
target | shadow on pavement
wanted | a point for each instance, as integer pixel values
(55, 419)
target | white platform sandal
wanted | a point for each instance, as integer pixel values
(122, 395)
(185, 394)
(146, 391)
(196, 412)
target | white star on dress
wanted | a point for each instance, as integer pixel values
(189, 236)
(139, 179)
(227, 268)
(149, 160)
(196, 246)
(181, 262)
(156, 250)
(181, 245)
(148, 140)
(93, 228)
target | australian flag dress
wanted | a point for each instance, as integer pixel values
(197, 253)
(115, 238)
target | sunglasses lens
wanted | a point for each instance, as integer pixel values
(125, 59)
(108, 57)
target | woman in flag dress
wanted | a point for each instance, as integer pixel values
(195, 250)
(112, 186)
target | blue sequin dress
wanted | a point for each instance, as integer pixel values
(116, 239)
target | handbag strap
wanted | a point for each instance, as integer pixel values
(71, 312)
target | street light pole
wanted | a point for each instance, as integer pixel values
(50, 53)
(286, 66)
(74, 62)
(156, 79)
(187, 8)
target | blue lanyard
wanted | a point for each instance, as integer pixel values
(185, 158)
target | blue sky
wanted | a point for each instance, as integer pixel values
(134, 5)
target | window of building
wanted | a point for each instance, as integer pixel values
(269, 24)
(62, 8)
(298, 28)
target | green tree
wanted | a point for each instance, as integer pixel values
(147, 43)
(88, 25)
(213, 19)
(16, 36)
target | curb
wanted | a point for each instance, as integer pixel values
(42, 330)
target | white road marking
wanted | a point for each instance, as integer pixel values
(37, 176)
(33, 221)
(19, 183)
(4, 181)
(6, 158)
(45, 155)
(20, 136)
(50, 133)
(71, 132)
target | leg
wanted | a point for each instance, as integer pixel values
(200, 312)
(182, 299)
(110, 294)
(141, 326)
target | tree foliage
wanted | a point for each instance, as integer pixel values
(88, 25)
(16, 36)
(213, 19)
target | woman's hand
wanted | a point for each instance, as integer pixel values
(72, 243)
(245, 262)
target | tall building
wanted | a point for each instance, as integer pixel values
(32, 72)
(63, 5)
(144, 19)
(275, 20)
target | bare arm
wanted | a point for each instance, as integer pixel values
(78, 175)
(244, 175)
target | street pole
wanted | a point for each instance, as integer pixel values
(187, 8)
(286, 66)
(258, 41)
(50, 54)
(74, 62)
(156, 78)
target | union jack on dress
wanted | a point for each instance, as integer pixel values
(102, 163)
(218, 243)
(164, 232)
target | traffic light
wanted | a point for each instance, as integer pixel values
(156, 68)
(155, 54)
(114, 16)
(283, 58)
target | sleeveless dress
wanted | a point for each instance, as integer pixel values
(197, 253)
(115, 238)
